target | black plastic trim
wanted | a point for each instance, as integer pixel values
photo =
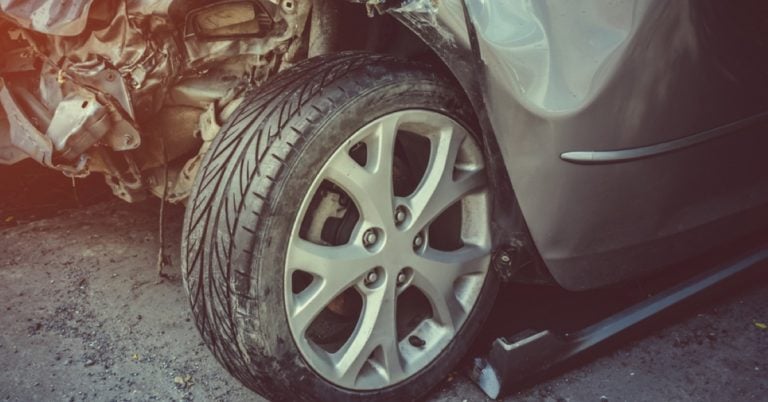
(509, 363)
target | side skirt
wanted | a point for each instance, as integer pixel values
(509, 363)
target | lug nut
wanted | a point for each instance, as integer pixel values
(401, 278)
(418, 240)
(400, 215)
(370, 237)
(371, 277)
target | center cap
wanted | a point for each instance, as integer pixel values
(396, 250)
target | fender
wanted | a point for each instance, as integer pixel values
(448, 31)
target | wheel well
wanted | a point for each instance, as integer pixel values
(338, 25)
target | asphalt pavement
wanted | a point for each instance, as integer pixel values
(84, 316)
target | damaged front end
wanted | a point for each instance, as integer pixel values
(134, 89)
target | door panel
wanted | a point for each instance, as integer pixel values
(602, 75)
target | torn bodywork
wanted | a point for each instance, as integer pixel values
(130, 88)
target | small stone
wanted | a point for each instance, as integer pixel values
(89, 363)
(183, 381)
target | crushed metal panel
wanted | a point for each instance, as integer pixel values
(553, 56)
(145, 58)
(23, 134)
(55, 17)
(9, 154)
(138, 65)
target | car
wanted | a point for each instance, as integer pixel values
(362, 176)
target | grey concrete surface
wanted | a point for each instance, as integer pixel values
(84, 317)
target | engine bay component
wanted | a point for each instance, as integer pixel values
(22, 136)
(134, 89)
(65, 18)
(229, 20)
(78, 123)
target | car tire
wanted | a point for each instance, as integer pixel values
(244, 220)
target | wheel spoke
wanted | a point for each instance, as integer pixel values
(436, 272)
(370, 186)
(438, 190)
(335, 269)
(393, 362)
(324, 261)
(376, 329)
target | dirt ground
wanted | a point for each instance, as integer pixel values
(84, 317)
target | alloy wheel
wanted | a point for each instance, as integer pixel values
(390, 250)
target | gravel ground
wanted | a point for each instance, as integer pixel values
(83, 316)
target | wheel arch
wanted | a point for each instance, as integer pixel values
(338, 25)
